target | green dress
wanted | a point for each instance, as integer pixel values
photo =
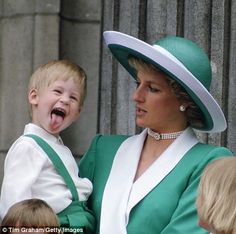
(167, 207)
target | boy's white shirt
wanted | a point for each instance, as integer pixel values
(29, 173)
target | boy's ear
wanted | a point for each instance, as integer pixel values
(33, 97)
(78, 114)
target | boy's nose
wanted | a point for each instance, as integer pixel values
(64, 99)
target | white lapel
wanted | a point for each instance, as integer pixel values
(161, 167)
(119, 184)
(121, 194)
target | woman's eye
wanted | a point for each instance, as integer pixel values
(137, 84)
(153, 89)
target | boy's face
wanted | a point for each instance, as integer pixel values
(56, 106)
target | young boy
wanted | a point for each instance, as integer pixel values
(216, 201)
(38, 164)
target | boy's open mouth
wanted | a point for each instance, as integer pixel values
(57, 117)
(58, 112)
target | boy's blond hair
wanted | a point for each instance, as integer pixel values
(30, 213)
(59, 70)
(216, 200)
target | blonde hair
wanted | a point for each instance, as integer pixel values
(59, 70)
(216, 201)
(30, 213)
(193, 112)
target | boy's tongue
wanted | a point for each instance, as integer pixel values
(56, 121)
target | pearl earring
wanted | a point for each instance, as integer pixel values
(182, 108)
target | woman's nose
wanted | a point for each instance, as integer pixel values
(139, 95)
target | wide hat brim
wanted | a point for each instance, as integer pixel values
(123, 46)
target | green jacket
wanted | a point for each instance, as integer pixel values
(169, 208)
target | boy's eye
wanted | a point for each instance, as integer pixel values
(57, 91)
(74, 98)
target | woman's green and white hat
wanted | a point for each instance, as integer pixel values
(182, 60)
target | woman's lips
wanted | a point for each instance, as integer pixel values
(140, 111)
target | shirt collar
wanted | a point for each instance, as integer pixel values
(35, 129)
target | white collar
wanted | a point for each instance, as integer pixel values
(35, 129)
(121, 194)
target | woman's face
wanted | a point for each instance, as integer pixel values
(157, 107)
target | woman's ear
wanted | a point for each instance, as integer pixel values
(33, 97)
